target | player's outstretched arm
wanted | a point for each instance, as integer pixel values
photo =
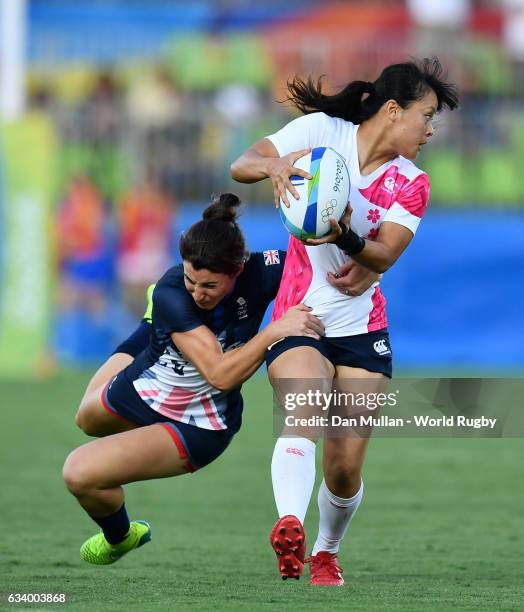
(228, 370)
(262, 161)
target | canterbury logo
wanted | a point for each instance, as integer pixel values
(295, 451)
(381, 347)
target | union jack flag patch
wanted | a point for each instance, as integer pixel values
(271, 257)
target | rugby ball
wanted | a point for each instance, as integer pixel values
(322, 198)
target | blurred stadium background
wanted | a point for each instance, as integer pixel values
(120, 118)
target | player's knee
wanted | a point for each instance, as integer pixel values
(77, 475)
(79, 418)
(84, 419)
(342, 475)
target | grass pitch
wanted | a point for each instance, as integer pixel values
(440, 527)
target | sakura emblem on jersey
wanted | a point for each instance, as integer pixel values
(271, 257)
(373, 215)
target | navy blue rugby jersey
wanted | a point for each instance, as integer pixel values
(169, 383)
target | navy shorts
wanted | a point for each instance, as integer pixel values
(371, 351)
(196, 446)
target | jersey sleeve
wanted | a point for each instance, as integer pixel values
(268, 272)
(302, 133)
(173, 310)
(411, 203)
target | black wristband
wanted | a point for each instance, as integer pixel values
(349, 241)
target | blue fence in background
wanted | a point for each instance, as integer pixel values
(455, 297)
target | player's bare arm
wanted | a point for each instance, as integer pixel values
(262, 161)
(228, 370)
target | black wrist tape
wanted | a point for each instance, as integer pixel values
(349, 241)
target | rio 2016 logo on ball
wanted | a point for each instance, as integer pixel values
(322, 198)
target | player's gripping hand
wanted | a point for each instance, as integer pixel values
(352, 278)
(337, 228)
(279, 170)
(298, 321)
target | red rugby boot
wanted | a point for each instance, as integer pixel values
(289, 542)
(325, 570)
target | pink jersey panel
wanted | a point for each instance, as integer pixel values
(384, 190)
(414, 198)
(377, 317)
(296, 278)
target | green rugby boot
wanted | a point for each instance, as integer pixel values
(98, 551)
(148, 314)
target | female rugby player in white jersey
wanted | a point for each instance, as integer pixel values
(378, 128)
(177, 405)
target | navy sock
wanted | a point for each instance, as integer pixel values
(137, 341)
(115, 526)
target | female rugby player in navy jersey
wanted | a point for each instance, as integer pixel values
(176, 407)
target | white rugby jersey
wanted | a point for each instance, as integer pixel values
(397, 191)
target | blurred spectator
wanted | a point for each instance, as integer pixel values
(155, 111)
(237, 103)
(103, 109)
(101, 117)
(152, 100)
(145, 220)
(514, 37)
(84, 260)
(439, 25)
(40, 98)
(442, 14)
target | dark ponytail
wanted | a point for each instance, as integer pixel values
(216, 242)
(404, 83)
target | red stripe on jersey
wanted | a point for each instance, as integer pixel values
(180, 447)
(210, 413)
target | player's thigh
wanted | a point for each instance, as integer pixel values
(95, 419)
(141, 454)
(109, 369)
(302, 362)
(301, 377)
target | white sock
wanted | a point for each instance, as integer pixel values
(335, 515)
(293, 475)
